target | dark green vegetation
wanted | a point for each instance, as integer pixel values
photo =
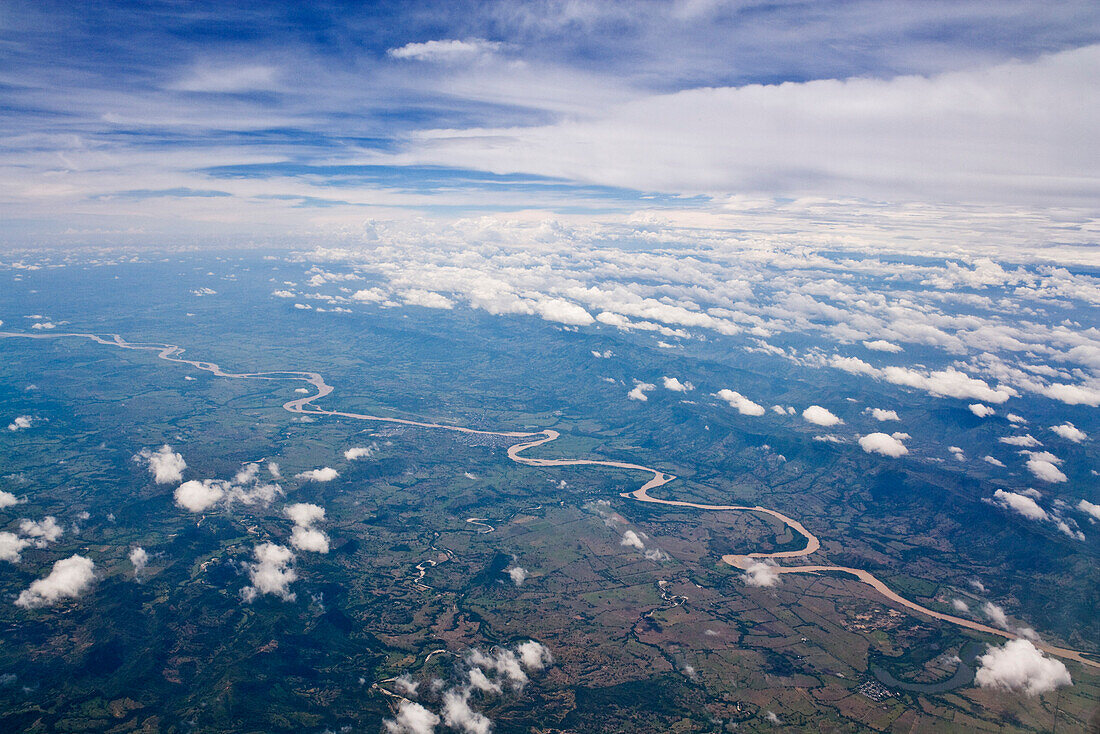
(180, 652)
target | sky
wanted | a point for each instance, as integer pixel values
(170, 123)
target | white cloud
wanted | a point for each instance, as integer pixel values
(518, 574)
(960, 606)
(445, 51)
(457, 713)
(1022, 504)
(773, 718)
(20, 423)
(957, 452)
(760, 573)
(880, 414)
(139, 558)
(324, 474)
(1026, 440)
(7, 499)
(821, 137)
(882, 443)
(993, 461)
(996, 615)
(1013, 418)
(359, 452)
(1020, 666)
(309, 539)
(11, 547)
(980, 410)
(405, 685)
(743, 405)
(950, 383)
(1070, 432)
(196, 496)
(880, 345)
(304, 513)
(70, 577)
(1089, 509)
(562, 312)
(42, 531)
(1044, 465)
(479, 681)
(632, 540)
(671, 383)
(304, 536)
(820, 416)
(427, 299)
(411, 718)
(638, 392)
(165, 464)
(270, 574)
(534, 655)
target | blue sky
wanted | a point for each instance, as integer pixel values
(195, 122)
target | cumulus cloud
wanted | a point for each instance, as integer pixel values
(11, 547)
(518, 574)
(359, 452)
(427, 299)
(139, 558)
(304, 513)
(271, 573)
(1044, 465)
(309, 539)
(324, 474)
(957, 452)
(638, 392)
(981, 410)
(760, 573)
(743, 405)
(246, 487)
(20, 423)
(457, 713)
(1026, 440)
(1020, 503)
(1089, 508)
(884, 444)
(949, 383)
(631, 539)
(1070, 432)
(534, 655)
(1019, 666)
(165, 465)
(880, 414)
(200, 496)
(304, 536)
(69, 578)
(820, 416)
(7, 499)
(411, 718)
(881, 345)
(405, 685)
(960, 606)
(996, 615)
(562, 312)
(41, 531)
(993, 461)
(671, 383)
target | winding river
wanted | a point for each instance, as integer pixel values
(531, 440)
